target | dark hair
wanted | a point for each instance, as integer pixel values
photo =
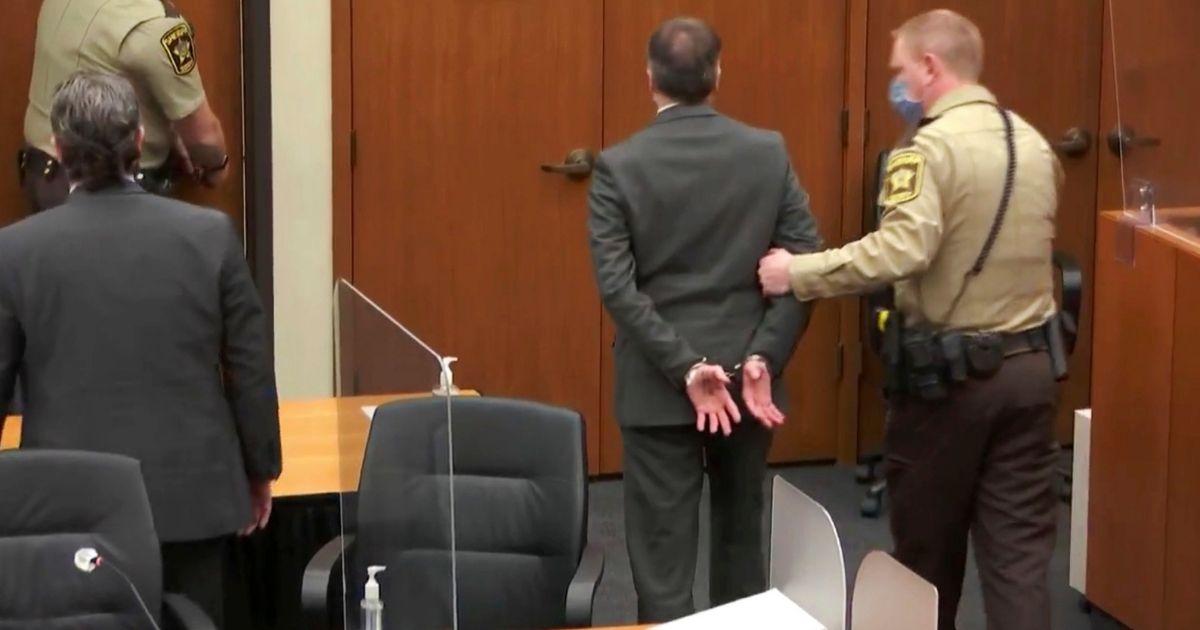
(683, 55)
(95, 120)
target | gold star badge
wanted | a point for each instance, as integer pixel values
(905, 172)
(177, 43)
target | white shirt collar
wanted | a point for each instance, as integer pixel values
(666, 107)
(131, 178)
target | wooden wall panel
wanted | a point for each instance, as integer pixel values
(1182, 596)
(17, 31)
(1131, 406)
(217, 24)
(1155, 87)
(341, 40)
(1109, 178)
(854, 197)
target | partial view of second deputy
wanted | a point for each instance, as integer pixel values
(152, 45)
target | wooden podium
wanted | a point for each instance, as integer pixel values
(1144, 508)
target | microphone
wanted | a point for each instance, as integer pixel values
(88, 559)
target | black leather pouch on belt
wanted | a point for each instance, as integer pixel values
(954, 352)
(985, 354)
(924, 364)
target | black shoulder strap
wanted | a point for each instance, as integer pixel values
(998, 221)
(171, 10)
(1004, 197)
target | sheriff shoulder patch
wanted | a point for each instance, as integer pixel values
(177, 43)
(905, 172)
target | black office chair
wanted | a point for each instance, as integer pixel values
(1070, 278)
(520, 499)
(53, 503)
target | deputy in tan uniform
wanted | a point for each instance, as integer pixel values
(969, 443)
(149, 43)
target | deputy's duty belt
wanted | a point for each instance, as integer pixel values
(32, 161)
(1032, 340)
(928, 364)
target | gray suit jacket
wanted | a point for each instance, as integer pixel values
(136, 329)
(680, 214)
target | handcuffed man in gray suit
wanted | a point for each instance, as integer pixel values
(680, 213)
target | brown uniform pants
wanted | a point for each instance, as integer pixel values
(981, 461)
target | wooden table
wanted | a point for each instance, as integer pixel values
(322, 442)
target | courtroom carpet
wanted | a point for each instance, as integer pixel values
(835, 488)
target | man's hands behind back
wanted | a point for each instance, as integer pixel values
(756, 391)
(708, 390)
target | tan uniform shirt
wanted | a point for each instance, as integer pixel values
(940, 198)
(134, 38)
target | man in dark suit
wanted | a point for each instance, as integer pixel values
(135, 327)
(679, 214)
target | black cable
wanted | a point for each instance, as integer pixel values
(1005, 197)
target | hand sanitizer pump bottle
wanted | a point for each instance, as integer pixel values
(372, 606)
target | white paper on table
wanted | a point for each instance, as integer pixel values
(369, 411)
(771, 610)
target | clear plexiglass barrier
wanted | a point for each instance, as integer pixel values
(1154, 82)
(396, 551)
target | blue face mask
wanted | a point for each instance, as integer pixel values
(910, 110)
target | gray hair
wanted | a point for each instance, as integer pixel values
(94, 117)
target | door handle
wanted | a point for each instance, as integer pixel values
(1123, 138)
(577, 165)
(1074, 143)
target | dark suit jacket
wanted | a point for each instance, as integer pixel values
(136, 329)
(680, 215)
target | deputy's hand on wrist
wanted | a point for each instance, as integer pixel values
(774, 272)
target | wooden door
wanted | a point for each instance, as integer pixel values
(1042, 60)
(457, 232)
(218, 32)
(219, 46)
(17, 31)
(783, 67)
